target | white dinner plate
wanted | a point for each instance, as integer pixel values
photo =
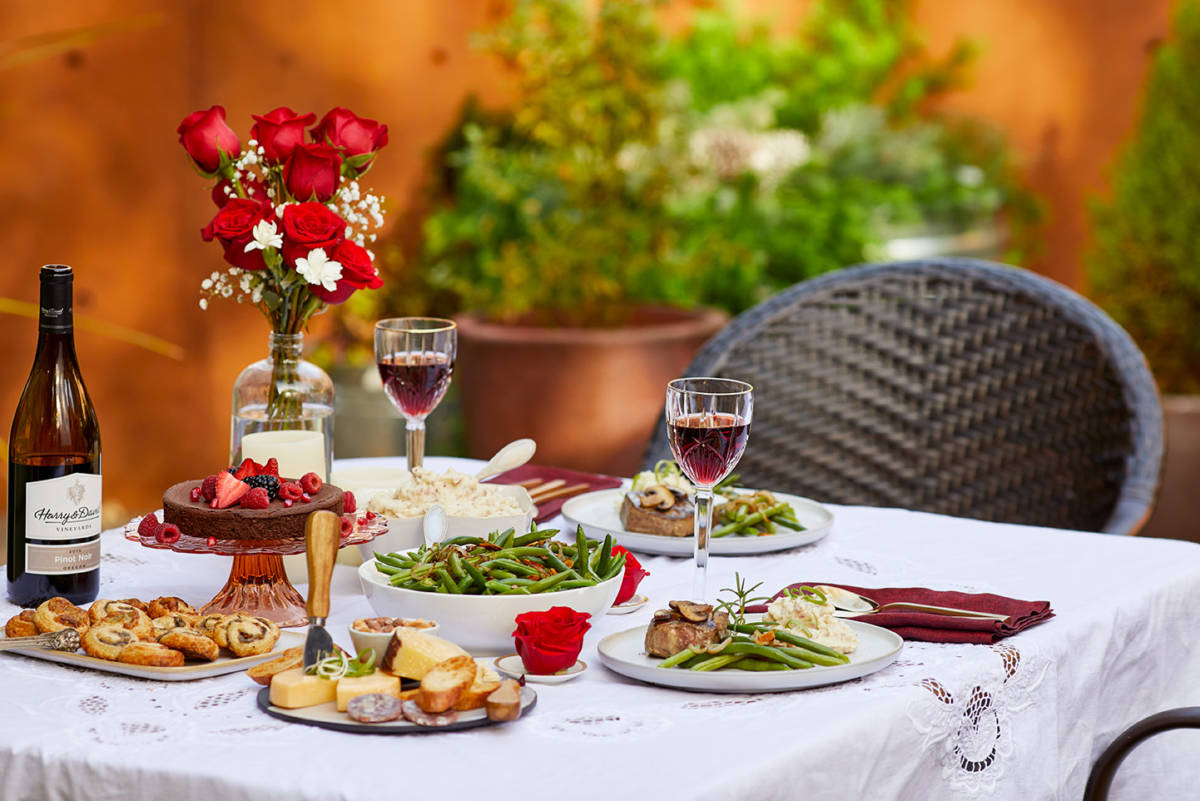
(599, 514)
(625, 653)
(189, 672)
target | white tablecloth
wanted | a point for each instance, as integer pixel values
(1020, 720)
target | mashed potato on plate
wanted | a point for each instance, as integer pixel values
(459, 494)
(812, 620)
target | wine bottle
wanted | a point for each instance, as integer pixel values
(54, 465)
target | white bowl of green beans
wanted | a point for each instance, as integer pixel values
(475, 587)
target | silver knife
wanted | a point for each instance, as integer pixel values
(322, 533)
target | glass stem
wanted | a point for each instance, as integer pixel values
(415, 441)
(703, 528)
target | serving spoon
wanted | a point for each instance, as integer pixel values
(434, 525)
(852, 605)
(514, 454)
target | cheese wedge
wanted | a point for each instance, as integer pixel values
(291, 689)
(377, 682)
(412, 654)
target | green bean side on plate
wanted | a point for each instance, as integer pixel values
(504, 564)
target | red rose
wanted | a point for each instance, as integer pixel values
(279, 131)
(313, 171)
(634, 573)
(205, 136)
(234, 227)
(307, 226)
(550, 641)
(357, 273)
(253, 189)
(355, 135)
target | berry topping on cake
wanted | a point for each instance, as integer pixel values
(311, 483)
(168, 533)
(271, 468)
(208, 490)
(229, 491)
(268, 482)
(347, 526)
(148, 526)
(256, 498)
(290, 491)
(348, 504)
(248, 467)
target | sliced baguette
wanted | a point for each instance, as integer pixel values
(264, 672)
(445, 683)
(476, 695)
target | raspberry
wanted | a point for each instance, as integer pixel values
(271, 468)
(256, 498)
(349, 506)
(347, 527)
(148, 526)
(306, 497)
(168, 533)
(311, 483)
(208, 490)
(290, 491)
(211, 541)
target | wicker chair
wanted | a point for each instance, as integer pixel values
(956, 386)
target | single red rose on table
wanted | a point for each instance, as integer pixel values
(307, 226)
(352, 134)
(549, 642)
(205, 136)
(313, 172)
(233, 227)
(358, 272)
(254, 191)
(634, 573)
(279, 131)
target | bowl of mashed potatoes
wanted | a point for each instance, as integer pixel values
(471, 508)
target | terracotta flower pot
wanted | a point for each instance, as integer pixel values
(1175, 510)
(588, 396)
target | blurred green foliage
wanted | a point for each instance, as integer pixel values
(713, 167)
(1144, 270)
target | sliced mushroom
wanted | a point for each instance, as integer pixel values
(696, 613)
(663, 614)
(658, 497)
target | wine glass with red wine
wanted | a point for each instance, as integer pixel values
(416, 359)
(708, 423)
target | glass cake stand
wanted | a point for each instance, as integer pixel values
(257, 582)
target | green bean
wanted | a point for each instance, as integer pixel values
(554, 562)
(534, 536)
(518, 582)
(575, 584)
(456, 565)
(767, 652)
(677, 658)
(788, 523)
(548, 582)
(501, 574)
(581, 550)
(389, 569)
(616, 566)
(389, 559)
(605, 556)
(511, 566)
(476, 575)
(716, 662)
(447, 581)
(463, 540)
(804, 642)
(504, 589)
(749, 520)
(506, 539)
(754, 663)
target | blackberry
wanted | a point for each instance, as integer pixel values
(269, 483)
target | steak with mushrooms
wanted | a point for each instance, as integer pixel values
(658, 510)
(685, 625)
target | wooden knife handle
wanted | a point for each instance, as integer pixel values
(322, 534)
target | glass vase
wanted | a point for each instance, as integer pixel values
(283, 408)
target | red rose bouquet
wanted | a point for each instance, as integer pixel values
(634, 573)
(293, 221)
(549, 642)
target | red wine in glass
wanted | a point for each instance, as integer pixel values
(416, 381)
(707, 446)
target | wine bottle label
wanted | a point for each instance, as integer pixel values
(53, 560)
(63, 508)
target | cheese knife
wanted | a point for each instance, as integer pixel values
(322, 533)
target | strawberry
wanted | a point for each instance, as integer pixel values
(229, 491)
(256, 498)
(148, 526)
(271, 468)
(208, 490)
(349, 506)
(248, 467)
(290, 491)
(168, 533)
(311, 483)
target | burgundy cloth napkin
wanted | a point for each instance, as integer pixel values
(547, 510)
(929, 627)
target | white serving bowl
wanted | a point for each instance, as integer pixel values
(408, 532)
(378, 640)
(482, 624)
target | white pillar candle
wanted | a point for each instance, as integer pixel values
(298, 451)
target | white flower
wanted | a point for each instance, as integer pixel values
(203, 303)
(266, 235)
(319, 269)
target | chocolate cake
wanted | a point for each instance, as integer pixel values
(276, 522)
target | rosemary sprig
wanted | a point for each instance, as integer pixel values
(736, 606)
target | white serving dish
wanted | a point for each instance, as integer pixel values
(408, 532)
(625, 653)
(482, 624)
(599, 514)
